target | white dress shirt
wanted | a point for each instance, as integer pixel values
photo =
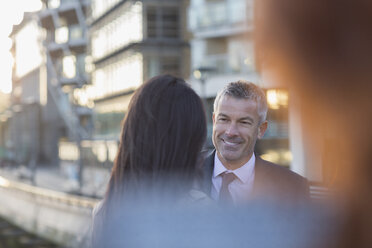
(241, 188)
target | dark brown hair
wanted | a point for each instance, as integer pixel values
(163, 134)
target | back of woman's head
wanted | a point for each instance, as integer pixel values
(163, 133)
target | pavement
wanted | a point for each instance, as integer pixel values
(62, 178)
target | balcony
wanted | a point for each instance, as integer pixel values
(221, 14)
(227, 64)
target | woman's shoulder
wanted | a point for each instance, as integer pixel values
(97, 212)
(197, 197)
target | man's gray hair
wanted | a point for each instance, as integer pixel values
(244, 90)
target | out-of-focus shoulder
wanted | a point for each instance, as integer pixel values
(97, 210)
(197, 198)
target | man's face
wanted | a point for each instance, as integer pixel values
(236, 128)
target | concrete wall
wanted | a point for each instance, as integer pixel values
(58, 217)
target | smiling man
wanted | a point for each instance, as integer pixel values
(232, 172)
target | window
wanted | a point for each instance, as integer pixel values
(170, 21)
(61, 35)
(69, 66)
(76, 32)
(163, 22)
(52, 4)
(151, 22)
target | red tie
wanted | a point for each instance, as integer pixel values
(225, 196)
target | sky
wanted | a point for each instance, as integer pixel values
(11, 14)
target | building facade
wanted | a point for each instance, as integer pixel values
(130, 42)
(49, 49)
(23, 120)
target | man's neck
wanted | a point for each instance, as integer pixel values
(232, 165)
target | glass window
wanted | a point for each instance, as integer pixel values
(52, 4)
(61, 35)
(163, 22)
(118, 76)
(80, 64)
(170, 22)
(69, 66)
(124, 30)
(274, 146)
(99, 7)
(76, 32)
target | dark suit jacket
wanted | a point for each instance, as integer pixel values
(271, 181)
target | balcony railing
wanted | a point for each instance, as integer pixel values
(219, 14)
(224, 63)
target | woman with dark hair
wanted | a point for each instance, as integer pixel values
(162, 136)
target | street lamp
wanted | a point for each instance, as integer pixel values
(201, 73)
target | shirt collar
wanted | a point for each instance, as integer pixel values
(244, 173)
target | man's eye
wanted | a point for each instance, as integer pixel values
(222, 119)
(246, 123)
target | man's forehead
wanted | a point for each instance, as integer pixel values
(227, 100)
(237, 106)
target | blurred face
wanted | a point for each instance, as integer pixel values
(236, 128)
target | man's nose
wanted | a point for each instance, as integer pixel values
(232, 129)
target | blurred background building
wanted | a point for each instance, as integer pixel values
(130, 42)
(65, 43)
(27, 113)
(78, 62)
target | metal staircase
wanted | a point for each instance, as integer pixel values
(71, 12)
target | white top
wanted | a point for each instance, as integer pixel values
(241, 188)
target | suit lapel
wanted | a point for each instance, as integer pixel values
(261, 176)
(208, 172)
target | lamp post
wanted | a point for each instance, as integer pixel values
(202, 73)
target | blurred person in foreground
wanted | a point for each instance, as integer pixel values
(162, 136)
(321, 50)
(232, 172)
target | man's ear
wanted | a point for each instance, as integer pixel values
(213, 118)
(262, 129)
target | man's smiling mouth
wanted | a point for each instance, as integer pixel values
(229, 143)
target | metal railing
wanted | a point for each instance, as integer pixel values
(65, 107)
(50, 195)
(224, 63)
(223, 13)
